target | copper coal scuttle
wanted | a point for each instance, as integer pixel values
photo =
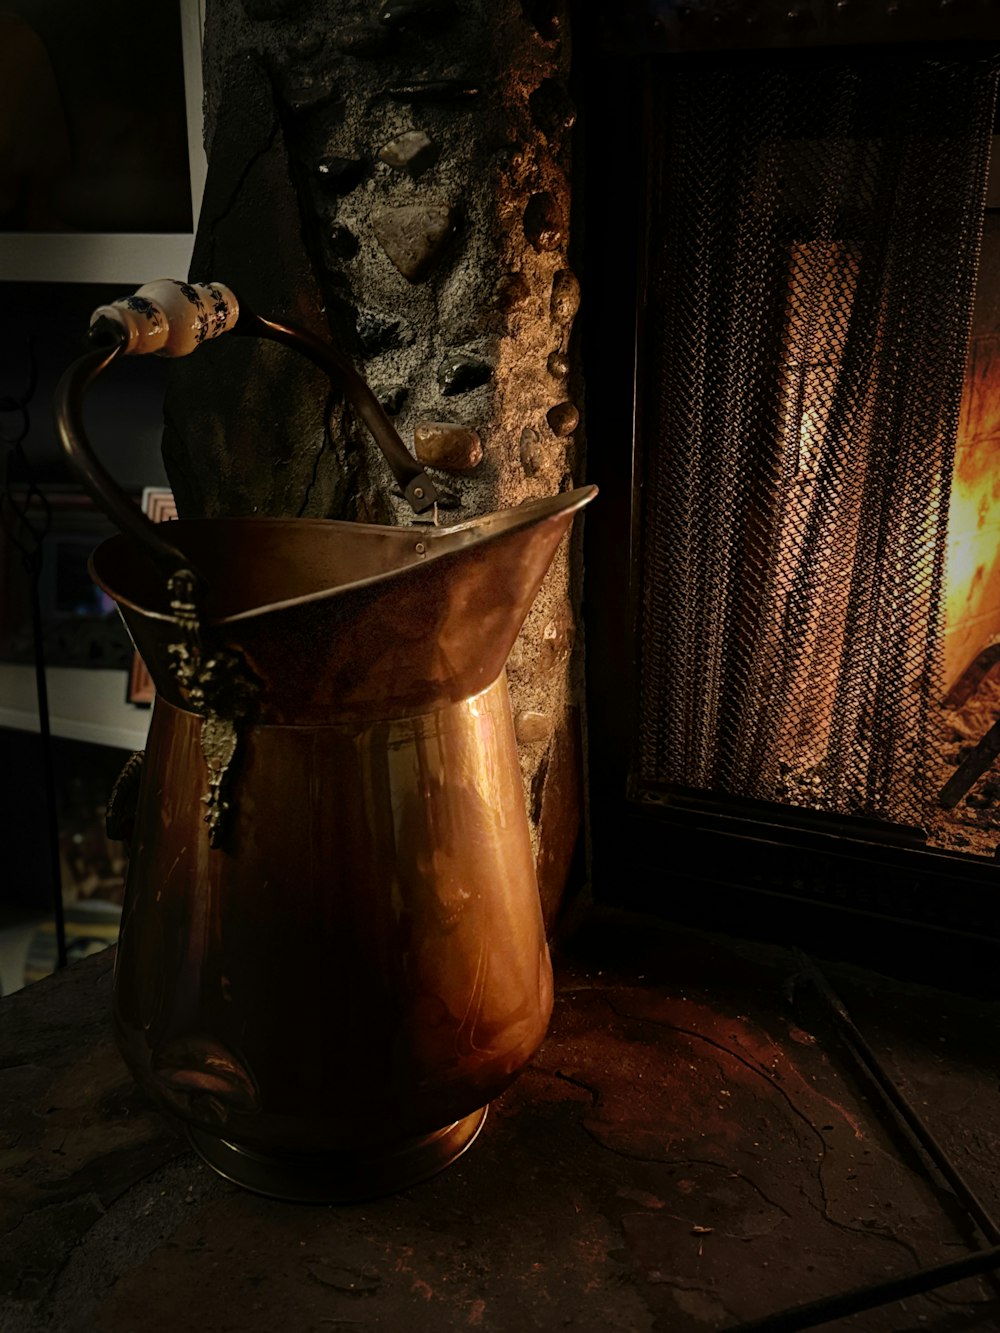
(332, 954)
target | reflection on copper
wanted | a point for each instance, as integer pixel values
(362, 966)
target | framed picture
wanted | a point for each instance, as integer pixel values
(102, 167)
(159, 505)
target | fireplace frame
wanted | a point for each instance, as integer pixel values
(871, 892)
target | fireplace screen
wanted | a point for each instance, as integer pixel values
(812, 254)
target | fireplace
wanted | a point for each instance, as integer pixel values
(695, 1145)
(793, 604)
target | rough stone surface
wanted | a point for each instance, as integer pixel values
(308, 87)
(552, 109)
(414, 13)
(414, 235)
(435, 90)
(340, 243)
(379, 332)
(445, 444)
(459, 374)
(531, 451)
(406, 13)
(413, 151)
(302, 45)
(546, 16)
(363, 40)
(341, 175)
(512, 290)
(391, 397)
(368, 254)
(563, 419)
(565, 299)
(544, 222)
(688, 1150)
(270, 9)
(532, 726)
(558, 364)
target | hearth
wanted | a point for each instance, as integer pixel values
(793, 606)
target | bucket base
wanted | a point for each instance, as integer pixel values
(337, 1177)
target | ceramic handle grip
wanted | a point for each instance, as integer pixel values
(171, 318)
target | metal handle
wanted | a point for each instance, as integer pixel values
(104, 490)
(172, 318)
(418, 489)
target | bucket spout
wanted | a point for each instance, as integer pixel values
(346, 619)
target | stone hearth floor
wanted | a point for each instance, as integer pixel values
(689, 1149)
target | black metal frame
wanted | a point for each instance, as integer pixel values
(856, 890)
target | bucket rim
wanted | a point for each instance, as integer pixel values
(530, 513)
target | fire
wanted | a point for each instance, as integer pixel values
(972, 579)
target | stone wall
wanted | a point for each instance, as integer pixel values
(394, 176)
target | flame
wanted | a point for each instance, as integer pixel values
(972, 572)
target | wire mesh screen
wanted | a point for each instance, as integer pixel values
(811, 260)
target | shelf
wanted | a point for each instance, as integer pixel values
(84, 705)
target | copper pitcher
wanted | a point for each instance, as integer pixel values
(332, 955)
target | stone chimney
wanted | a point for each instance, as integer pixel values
(394, 177)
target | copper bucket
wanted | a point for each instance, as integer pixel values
(332, 955)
